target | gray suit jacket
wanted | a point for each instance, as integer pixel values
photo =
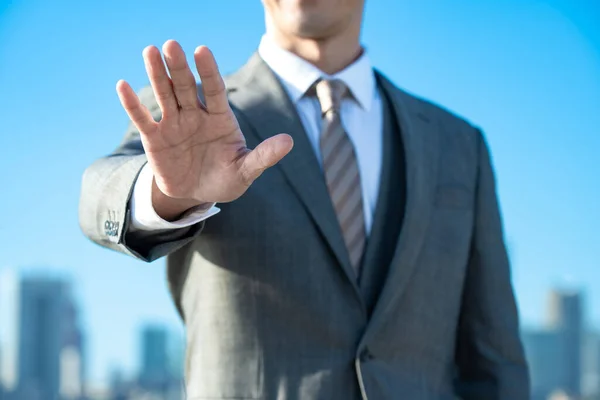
(266, 289)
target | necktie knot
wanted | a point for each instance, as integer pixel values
(330, 94)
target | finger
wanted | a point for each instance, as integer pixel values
(213, 86)
(160, 81)
(137, 112)
(184, 83)
(264, 156)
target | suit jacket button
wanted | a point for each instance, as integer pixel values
(366, 355)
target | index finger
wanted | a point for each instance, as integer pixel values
(137, 112)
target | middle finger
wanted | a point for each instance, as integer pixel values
(184, 83)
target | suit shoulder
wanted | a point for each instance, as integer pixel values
(448, 120)
(426, 109)
(457, 134)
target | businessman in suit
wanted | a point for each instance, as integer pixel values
(328, 235)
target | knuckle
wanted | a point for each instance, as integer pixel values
(185, 86)
(214, 89)
(207, 73)
(246, 177)
(163, 93)
(178, 67)
(261, 157)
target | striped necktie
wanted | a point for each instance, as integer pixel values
(340, 167)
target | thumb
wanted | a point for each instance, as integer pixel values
(264, 156)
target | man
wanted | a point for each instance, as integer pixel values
(366, 263)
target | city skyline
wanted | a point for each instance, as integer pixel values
(44, 354)
(517, 84)
(51, 355)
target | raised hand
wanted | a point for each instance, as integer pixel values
(197, 151)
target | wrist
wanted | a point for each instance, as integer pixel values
(169, 208)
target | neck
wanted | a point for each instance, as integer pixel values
(330, 55)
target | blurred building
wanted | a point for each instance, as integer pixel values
(72, 356)
(119, 387)
(50, 350)
(154, 368)
(177, 355)
(161, 364)
(9, 319)
(566, 318)
(544, 354)
(42, 308)
(555, 352)
(591, 365)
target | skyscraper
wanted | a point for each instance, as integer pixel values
(545, 358)
(565, 317)
(154, 371)
(42, 305)
(50, 363)
(72, 356)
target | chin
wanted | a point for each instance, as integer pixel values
(310, 27)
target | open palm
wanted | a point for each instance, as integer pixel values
(197, 151)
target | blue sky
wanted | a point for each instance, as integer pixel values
(527, 72)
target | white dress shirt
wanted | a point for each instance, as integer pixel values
(361, 114)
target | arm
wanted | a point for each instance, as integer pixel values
(489, 355)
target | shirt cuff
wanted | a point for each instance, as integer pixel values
(145, 218)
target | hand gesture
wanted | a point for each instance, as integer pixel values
(197, 151)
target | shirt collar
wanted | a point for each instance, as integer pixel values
(298, 75)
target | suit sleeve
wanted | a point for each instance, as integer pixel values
(489, 355)
(106, 190)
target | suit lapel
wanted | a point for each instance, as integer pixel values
(268, 109)
(421, 144)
